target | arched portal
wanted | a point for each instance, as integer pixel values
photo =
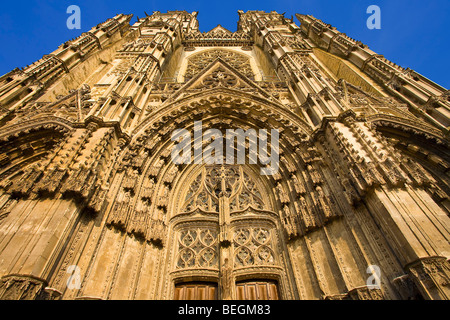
(225, 233)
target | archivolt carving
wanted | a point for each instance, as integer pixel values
(21, 287)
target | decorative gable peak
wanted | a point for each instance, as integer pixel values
(219, 32)
(220, 74)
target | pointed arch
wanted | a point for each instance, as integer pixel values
(23, 144)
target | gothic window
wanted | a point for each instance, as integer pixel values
(248, 196)
(230, 181)
(200, 61)
(200, 196)
(296, 43)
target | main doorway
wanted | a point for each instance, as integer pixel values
(226, 237)
(245, 290)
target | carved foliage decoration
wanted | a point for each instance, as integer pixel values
(16, 287)
(432, 272)
(365, 293)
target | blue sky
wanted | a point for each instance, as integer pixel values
(414, 33)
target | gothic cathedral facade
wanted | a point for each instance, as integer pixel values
(92, 205)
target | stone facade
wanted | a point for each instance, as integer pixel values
(92, 207)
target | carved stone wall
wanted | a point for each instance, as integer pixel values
(92, 205)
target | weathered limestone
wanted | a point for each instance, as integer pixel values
(93, 207)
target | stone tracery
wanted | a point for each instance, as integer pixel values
(217, 181)
(201, 60)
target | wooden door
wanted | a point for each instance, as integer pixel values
(196, 291)
(257, 290)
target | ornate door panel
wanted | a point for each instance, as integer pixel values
(253, 246)
(196, 291)
(257, 290)
(197, 248)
